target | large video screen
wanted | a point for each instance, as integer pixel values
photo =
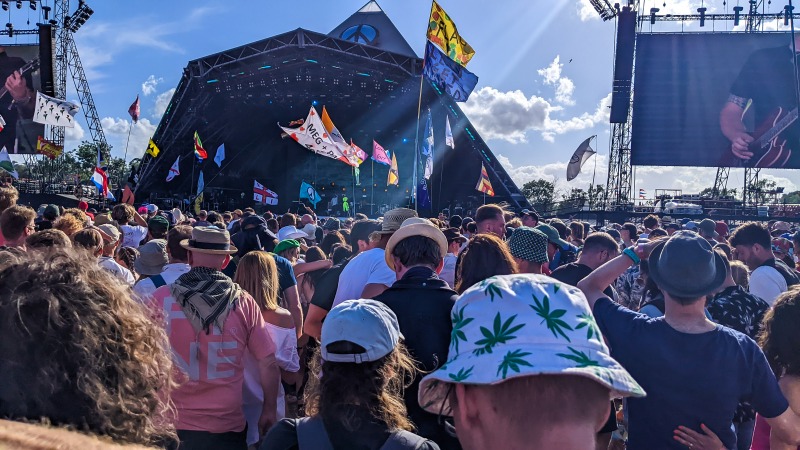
(715, 99)
(20, 79)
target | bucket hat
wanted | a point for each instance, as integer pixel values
(393, 220)
(529, 244)
(367, 323)
(415, 226)
(709, 227)
(332, 224)
(310, 230)
(210, 240)
(685, 265)
(152, 257)
(523, 325)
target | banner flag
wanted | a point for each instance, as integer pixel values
(380, 155)
(448, 134)
(579, 158)
(152, 149)
(484, 185)
(199, 151)
(442, 31)
(100, 180)
(47, 148)
(454, 79)
(175, 170)
(201, 184)
(313, 135)
(394, 174)
(135, 110)
(263, 195)
(6, 164)
(198, 203)
(427, 148)
(220, 155)
(52, 111)
(308, 191)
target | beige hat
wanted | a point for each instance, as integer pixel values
(177, 215)
(110, 230)
(393, 219)
(210, 240)
(415, 226)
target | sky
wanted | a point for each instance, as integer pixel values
(544, 67)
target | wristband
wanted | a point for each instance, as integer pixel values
(630, 253)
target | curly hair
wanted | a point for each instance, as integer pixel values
(69, 224)
(780, 334)
(374, 388)
(485, 256)
(86, 354)
(8, 196)
(46, 239)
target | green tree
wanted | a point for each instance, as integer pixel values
(791, 198)
(541, 193)
(760, 189)
(595, 195)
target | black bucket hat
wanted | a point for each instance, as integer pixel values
(685, 265)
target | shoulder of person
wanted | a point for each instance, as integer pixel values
(284, 318)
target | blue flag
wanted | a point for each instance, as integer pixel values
(449, 75)
(201, 184)
(220, 155)
(308, 191)
(423, 195)
(427, 149)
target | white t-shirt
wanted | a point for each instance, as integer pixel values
(145, 286)
(132, 235)
(767, 284)
(449, 269)
(368, 267)
(108, 263)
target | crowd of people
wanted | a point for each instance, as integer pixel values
(234, 330)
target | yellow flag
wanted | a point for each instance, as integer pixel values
(443, 32)
(152, 149)
(198, 203)
(394, 175)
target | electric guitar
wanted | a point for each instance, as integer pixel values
(31, 66)
(770, 147)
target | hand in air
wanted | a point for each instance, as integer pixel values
(17, 86)
(739, 146)
(706, 440)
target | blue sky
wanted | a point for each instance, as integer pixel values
(545, 70)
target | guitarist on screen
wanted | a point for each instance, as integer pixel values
(20, 101)
(766, 85)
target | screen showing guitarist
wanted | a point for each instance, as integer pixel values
(764, 88)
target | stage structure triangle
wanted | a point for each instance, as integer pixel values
(371, 26)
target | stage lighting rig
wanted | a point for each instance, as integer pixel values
(19, 4)
(653, 12)
(604, 8)
(32, 4)
(10, 29)
(79, 17)
(702, 12)
(737, 11)
(5, 5)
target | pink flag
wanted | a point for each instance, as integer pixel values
(380, 155)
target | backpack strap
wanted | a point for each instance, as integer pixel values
(311, 434)
(403, 440)
(158, 281)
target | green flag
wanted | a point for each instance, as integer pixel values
(6, 164)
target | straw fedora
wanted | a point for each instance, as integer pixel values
(415, 226)
(393, 220)
(209, 240)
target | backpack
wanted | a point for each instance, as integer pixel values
(311, 435)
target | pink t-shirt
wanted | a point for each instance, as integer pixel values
(211, 366)
(761, 435)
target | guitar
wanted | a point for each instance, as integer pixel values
(30, 66)
(770, 147)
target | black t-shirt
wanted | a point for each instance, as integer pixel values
(326, 285)
(572, 273)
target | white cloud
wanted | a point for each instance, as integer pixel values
(551, 73)
(149, 86)
(116, 131)
(586, 11)
(564, 86)
(74, 134)
(564, 91)
(162, 102)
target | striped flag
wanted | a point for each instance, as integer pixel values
(484, 185)
(642, 194)
(199, 151)
(394, 175)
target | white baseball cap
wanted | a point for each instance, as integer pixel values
(367, 323)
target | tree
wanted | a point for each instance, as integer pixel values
(791, 198)
(761, 188)
(595, 195)
(541, 193)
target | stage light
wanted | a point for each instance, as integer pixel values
(702, 12)
(315, 103)
(653, 12)
(33, 5)
(10, 29)
(737, 10)
(19, 4)
(46, 10)
(787, 11)
(5, 5)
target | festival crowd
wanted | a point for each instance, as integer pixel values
(147, 328)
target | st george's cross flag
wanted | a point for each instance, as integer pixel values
(175, 170)
(263, 195)
(52, 111)
(484, 185)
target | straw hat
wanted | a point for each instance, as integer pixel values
(209, 240)
(393, 220)
(415, 226)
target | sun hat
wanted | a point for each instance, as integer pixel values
(523, 325)
(529, 244)
(285, 245)
(209, 240)
(686, 266)
(453, 235)
(290, 232)
(708, 226)
(151, 208)
(310, 230)
(332, 224)
(101, 219)
(178, 215)
(158, 223)
(552, 235)
(111, 231)
(367, 323)
(393, 219)
(152, 258)
(415, 226)
(666, 219)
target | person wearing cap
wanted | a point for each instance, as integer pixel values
(355, 404)
(83, 206)
(234, 226)
(367, 274)
(177, 263)
(527, 368)
(722, 230)
(202, 217)
(49, 215)
(289, 249)
(157, 227)
(559, 251)
(152, 258)
(112, 239)
(490, 219)
(780, 227)
(769, 277)
(332, 224)
(455, 241)
(672, 227)
(707, 229)
(529, 218)
(598, 249)
(211, 322)
(528, 246)
(422, 303)
(702, 370)
(132, 234)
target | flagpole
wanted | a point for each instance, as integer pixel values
(419, 114)
(372, 202)
(130, 128)
(354, 194)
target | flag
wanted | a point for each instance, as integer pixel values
(199, 151)
(220, 155)
(334, 201)
(443, 32)
(361, 155)
(133, 177)
(448, 134)
(6, 164)
(101, 160)
(152, 149)
(380, 155)
(347, 151)
(313, 135)
(308, 191)
(642, 194)
(2, 123)
(52, 111)
(134, 110)
(47, 148)
(100, 180)
(484, 185)
(263, 195)
(175, 170)
(127, 196)
(454, 79)
(394, 175)
(427, 148)
(201, 184)
(581, 155)
(423, 195)
(198, 203)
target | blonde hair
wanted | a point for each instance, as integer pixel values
(740, 274)
(258, 275)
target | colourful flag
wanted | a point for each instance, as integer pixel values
(484, 185)
(448, 134)
(454, 79)
(199, 151)
(6, 164)
(152, 149)
(394, 174)
(198, 203)
(134, 110)
(263, 195)
(47, 148)
(175, 170)
(443, 32)
(100, 180)
(380, 155)
(313, 135)
(201, 184)
(337, 137)
(360, 154)
(308, 191)
(220, 155)
(427, 148)
(642, 194)
(52, 111)
(101, 160)
(2, 123)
